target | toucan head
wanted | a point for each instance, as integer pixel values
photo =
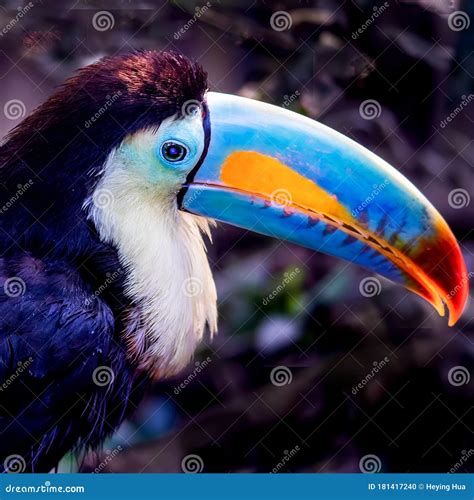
(148, 132)
(269, 170)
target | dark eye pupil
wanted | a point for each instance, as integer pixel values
(173, 151)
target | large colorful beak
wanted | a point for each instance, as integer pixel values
(275, 172)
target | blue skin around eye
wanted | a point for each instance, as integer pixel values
(187, 132)
(149, 163)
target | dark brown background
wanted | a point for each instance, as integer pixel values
(319, 326)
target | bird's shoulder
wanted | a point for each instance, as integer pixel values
(50, 313)
(60, 358)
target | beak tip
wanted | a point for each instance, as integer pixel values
(445, 273)
(456, 288)
(459, 294)
(457, 303)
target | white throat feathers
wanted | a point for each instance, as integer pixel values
(168, 278)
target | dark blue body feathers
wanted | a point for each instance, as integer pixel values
(63, 311)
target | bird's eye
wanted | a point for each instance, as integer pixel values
(173, 151)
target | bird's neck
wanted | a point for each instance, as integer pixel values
(168, 279)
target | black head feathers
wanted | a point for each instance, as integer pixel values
(104, 102)
(57, 150)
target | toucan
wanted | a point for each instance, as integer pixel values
(108, 193)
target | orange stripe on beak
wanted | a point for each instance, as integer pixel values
(428, 264)
(266, 176)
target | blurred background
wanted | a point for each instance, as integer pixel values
(317, 366)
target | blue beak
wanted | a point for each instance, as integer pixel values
(275, 172)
